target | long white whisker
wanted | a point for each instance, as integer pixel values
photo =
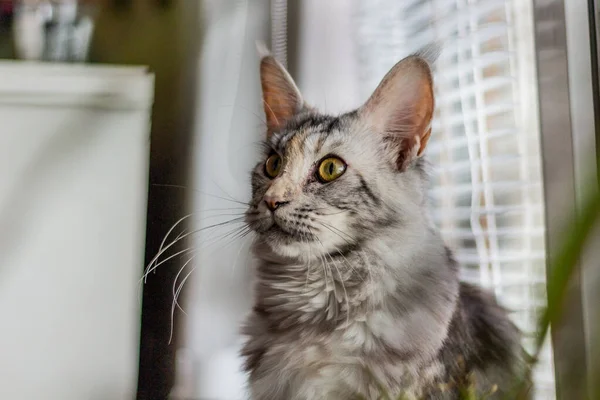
(226, 194)
(183, 232)
(340, 233)
(178, 238)
(337, 250)
(234, 220)
(231, 236)
(176, 292)
(176, 295)
(201, 192)
(158, 264)
(162, 243)
(226, 235)
(192, 250)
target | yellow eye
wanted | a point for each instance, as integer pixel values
(330, 169)
(273, 166)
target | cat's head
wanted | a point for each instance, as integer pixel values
(325, 184)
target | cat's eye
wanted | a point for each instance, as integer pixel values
(273, 166)
(330, 169)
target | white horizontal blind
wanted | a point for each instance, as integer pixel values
(486, 178)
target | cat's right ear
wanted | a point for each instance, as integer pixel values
(401, 108)
(281, 98)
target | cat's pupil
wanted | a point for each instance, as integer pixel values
(331, 167)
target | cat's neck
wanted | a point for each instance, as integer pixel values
(402, 271)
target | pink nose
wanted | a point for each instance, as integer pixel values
(273, 203)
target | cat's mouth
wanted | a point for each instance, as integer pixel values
(281, 229)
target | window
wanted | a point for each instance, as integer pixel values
(486, 192)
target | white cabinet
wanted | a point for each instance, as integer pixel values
(74, 144)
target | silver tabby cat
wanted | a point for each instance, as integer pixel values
(356, 293)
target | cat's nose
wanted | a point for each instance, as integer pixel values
(273, 203)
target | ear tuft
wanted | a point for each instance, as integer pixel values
(430, 53)
(262, 49)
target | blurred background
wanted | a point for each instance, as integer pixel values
(128, 129)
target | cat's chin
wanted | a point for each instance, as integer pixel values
(288, 245)
(286, 250)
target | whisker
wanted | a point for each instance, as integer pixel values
(157, 256)
(231, 234)
(179, 237)
(176, 296)
(191, 249)
(183, 232)
(329, 227)
(226, 194)
(162, 243)
(176, 292)
(237, 214)
(201, 192)
(340, 233)
(224, 209)
(158, 264)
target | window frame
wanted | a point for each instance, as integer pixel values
(569, 150)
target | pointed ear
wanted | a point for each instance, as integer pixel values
(401, 109)
(281, 98)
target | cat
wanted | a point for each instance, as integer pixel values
(356, 294)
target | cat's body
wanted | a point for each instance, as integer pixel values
(356, 294)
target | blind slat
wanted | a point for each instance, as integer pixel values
(503, 186)
(462, 141)
(516, 231)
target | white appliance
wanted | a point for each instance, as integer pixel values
(74, 144)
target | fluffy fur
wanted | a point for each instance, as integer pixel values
(356, 292)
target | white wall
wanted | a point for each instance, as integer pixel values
(73, 182)
(327, 62)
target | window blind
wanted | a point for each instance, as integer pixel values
(486, 191)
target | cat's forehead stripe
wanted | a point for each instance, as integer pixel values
(295, 145)
(321, 142)
(305, 126)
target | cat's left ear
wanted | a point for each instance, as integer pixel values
(401, 109)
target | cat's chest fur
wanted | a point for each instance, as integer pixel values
(344, 364)
(311, 338)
